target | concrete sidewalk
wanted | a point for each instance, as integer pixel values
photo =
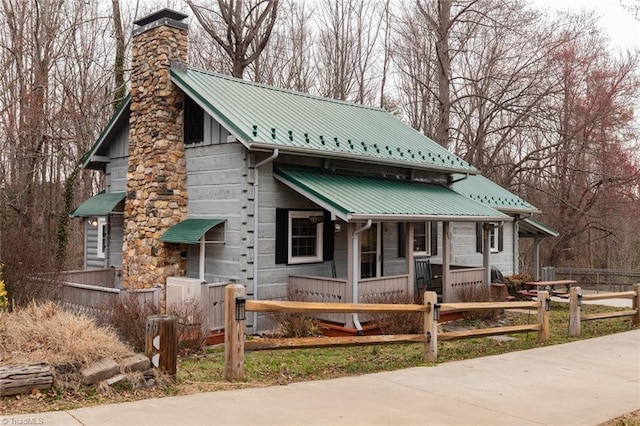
(580, 383)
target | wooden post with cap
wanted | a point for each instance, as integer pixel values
(430, 327)
(233, 334)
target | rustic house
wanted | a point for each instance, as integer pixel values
(214, 179)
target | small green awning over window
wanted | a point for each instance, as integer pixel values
(189, 231)
(99, 205)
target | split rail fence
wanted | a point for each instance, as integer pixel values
(236, 307)
(575, 302)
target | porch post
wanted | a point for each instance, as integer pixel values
(536, 259)
(486, 252)
(348, 320)
(446, 264)
(516, 246)
(409, 256)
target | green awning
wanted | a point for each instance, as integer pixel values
(189, 231)
(358, 198)
(99, 205)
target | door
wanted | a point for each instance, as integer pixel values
(370, 252)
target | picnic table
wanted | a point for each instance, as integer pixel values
(551, 286)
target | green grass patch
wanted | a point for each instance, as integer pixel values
(294, 365)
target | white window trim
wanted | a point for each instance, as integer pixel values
(297, 214)
(493, 243)
(100, 251)
(427, 242)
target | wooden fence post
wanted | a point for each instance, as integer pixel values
(574, 311)
(430, 327)
(233, 334)
(543, 317)
(161, 342)
(636, 305)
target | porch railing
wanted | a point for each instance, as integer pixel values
(459, 279)
(334, 290)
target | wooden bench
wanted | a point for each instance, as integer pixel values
(528, 293)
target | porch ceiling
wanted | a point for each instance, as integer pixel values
(534, 229)
(358, 198)
(99, 205)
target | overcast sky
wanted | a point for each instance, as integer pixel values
(622, 27)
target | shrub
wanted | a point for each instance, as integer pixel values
(293, 324)
(29, 273)
(477, 293)
(191, 317)
(4, 300)
(128, 317)
(516, 282)
(404, 323)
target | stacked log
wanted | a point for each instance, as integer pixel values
(18, 379)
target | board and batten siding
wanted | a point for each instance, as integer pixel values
(116, 170)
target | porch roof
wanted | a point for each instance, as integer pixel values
(358, 198)
(491, 194)
(532, 228)
(99, 205)
(189, 231)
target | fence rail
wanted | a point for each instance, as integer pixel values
(597, 279)
(236, 306)
(576, 298)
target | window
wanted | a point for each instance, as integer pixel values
(421, 238)
(193, 122)
(493, 240)
(102, 237)
(305, 236)
(425, 238)
(496, 238)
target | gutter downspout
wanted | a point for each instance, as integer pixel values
(256, 192)
(355, 250)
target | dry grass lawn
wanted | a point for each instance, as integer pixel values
(46, 333)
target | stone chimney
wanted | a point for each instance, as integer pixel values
(156, 177)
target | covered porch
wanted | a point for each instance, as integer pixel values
(367, 207)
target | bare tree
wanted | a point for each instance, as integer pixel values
(242, 29)
(347, 47)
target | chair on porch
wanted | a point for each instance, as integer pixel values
(425, 280)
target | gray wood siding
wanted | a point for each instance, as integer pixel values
(115, 241)
(91, 247)
(463, 247)
(217, 188)
(116, 170)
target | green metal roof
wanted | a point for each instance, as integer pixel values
(189, 231)
(357, 198)
(532, 228)
(262, 116)
(99, 205)
(489, 193)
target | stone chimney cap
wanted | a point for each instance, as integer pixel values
(161, 17)
(162, 13)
